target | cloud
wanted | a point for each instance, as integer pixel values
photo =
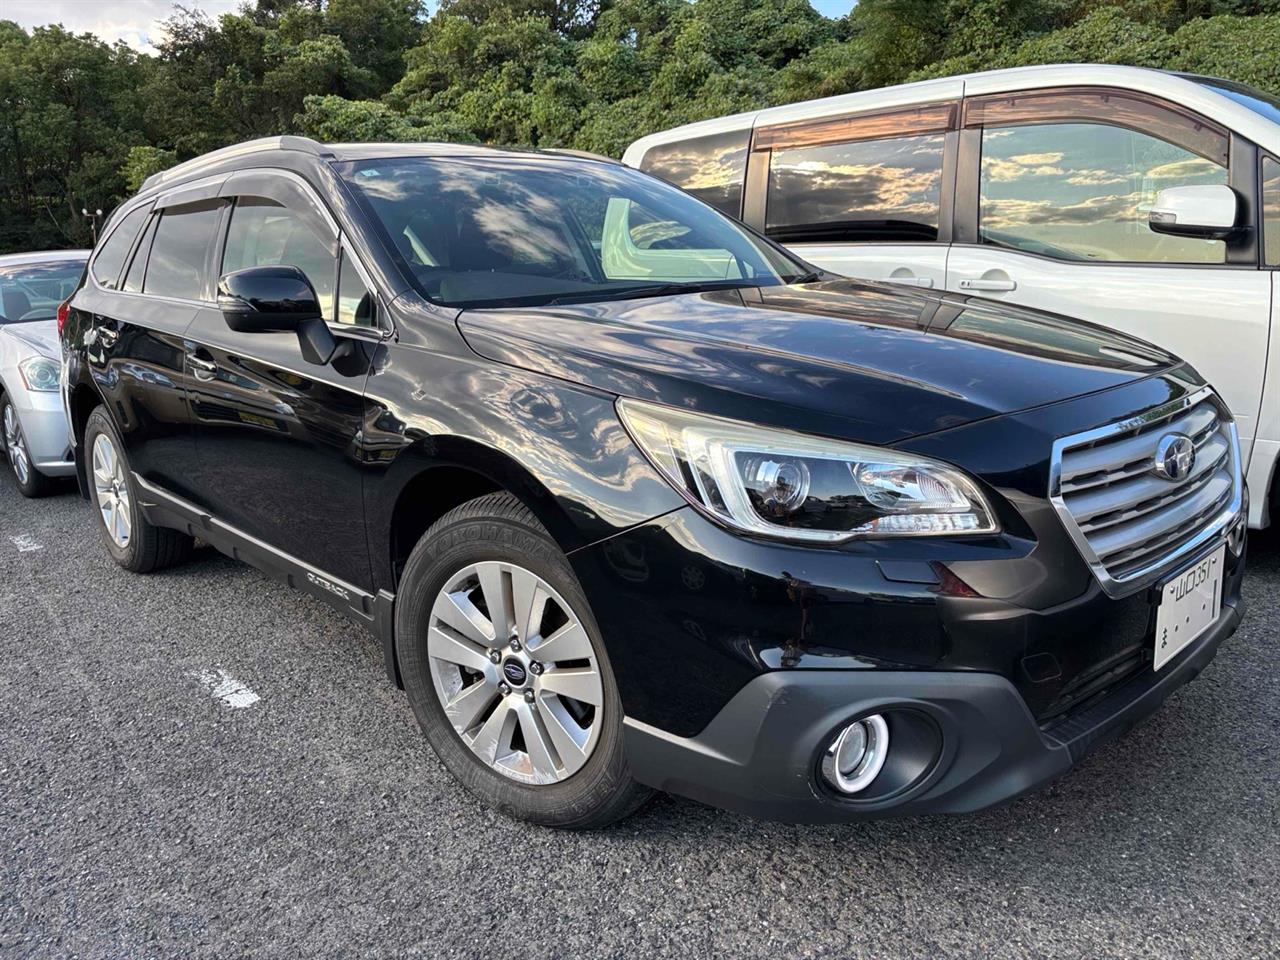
(1095, 178)
(1022, 166)
(135, 22)
(1008, 214)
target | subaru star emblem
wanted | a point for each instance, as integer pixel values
(514, 671)
(1175, 456)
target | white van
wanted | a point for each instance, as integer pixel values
(1138, 199)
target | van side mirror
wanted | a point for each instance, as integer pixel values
(267, 299)
(1205, 212)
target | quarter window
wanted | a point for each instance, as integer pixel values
(107, 264)
(879, 190)
(265, 234)
(355, 305)
(1271, 210)
(711, 168)
(1083, 191)
(179, 252)
(133, 279)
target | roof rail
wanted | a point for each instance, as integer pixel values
(581, 154)
(301, 144)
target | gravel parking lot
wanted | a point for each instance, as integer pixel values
(204, 763)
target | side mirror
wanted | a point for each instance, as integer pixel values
(1206, 213)
(267, 299)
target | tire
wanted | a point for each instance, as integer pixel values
(495, 536)
(30, 481)
(145, 548)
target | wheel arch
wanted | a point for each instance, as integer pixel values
(438, 475)
(82, 400)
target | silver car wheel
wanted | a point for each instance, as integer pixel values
(112, 491)
(16, 445)
(516, 673)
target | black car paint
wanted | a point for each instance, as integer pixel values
(309, 472)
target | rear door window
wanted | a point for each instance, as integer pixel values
(711, 168)
(110, 259)
(887, 190)
(179, 257)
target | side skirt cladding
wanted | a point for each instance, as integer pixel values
(374, 611)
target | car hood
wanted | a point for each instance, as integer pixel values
(863, 361)
(39, 336)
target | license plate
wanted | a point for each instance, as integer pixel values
(1189, 604)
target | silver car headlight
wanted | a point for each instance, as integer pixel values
(40, 374)
(778, 483)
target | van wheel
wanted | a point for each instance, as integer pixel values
(506, 672)
(132, 541)
(31, 482)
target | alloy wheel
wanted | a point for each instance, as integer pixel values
(16, 445)
(515, 672)
(112, 491)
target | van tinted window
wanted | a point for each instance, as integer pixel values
(1083, 191)
(107, 264)
(1271, 210)
(179, 252)
(711, 168)
(881, 190)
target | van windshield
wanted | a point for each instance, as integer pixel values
(1256, 100)
(524, 231)
(32, 291)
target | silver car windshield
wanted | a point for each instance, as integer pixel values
(33, 291)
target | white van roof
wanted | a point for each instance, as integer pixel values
(1179, 88)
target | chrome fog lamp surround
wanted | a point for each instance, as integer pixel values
(857, 754)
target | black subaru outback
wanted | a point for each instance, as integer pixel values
(635, 499)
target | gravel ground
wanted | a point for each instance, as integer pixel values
(143, 814)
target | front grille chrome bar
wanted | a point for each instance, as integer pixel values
(1130, 525)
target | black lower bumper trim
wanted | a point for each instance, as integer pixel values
(760, 754)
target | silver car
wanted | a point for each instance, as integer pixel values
(32, 286)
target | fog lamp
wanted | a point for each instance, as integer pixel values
(857, 754)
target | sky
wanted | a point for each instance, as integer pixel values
(137, 22)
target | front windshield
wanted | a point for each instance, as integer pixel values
(32, 291)
(1256, 100)
(523, 231)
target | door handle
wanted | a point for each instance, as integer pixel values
(913, 281)
(202, 368)
(991, 286)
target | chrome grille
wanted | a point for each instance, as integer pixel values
(1129, 522)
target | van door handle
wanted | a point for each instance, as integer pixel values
(203, 368)
(991, 286)
(913, 281)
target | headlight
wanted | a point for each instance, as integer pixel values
(782, 484)
(39, 374)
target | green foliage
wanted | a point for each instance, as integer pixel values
(83, 123)
(142, 162)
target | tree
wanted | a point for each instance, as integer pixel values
(83, 123)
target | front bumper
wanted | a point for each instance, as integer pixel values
(44, 425)
(760, 755)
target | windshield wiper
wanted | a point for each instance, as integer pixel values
(651, 290)
(811, 277)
